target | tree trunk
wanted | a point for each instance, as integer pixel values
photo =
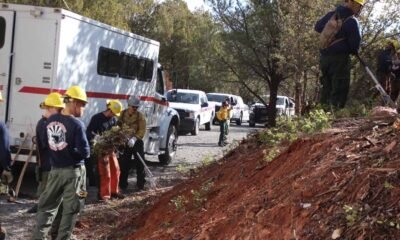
(304, 101)
(297, 92)
(273, 93)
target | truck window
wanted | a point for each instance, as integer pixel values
(149, 69)
(2, 31)
(128, 66)
(160, 82)
(108, 62)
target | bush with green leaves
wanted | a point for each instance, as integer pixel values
(290, 129)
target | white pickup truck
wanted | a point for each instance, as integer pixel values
(193, 108)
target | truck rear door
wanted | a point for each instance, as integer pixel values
(6, 45)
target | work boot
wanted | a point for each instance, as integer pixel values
(117, 195)
(33, 209)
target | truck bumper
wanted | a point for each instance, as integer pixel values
(187, 124)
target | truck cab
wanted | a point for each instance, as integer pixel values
(193, 108)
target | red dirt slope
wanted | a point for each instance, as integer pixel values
(345, 181)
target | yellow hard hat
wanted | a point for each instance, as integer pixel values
(53, 100)
(361, 2)
(76, 92)
(115, 106)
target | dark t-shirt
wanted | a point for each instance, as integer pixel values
(67, 141)
(98, 124)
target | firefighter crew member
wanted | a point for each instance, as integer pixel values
(223, 118)
(135, 120)
(53, 104)
(69, 147)
(384, 69)
(394, 94)
(107, 165)
(5, 164)
(335, 62)
(5, 154)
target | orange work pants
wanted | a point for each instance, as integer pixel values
(109, 175)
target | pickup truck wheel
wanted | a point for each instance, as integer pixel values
(252, 123)
(208, 125)
(170, 151)
(195, 131)
(239, 121)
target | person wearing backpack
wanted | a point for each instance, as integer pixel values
(340, 37)
(384, 69)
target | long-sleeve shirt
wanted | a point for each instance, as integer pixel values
(5, 154)
(350, 33)
(98, 124)
(135, 121)
(223, 113)
(42, 146)
(385, 61)
(66, 138)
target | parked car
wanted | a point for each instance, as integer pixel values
(240, 111)
(285, 106)
(193, 109)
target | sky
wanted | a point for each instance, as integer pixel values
(193, 4)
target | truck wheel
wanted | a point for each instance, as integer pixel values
(170, 151)
(239, 121)
(208, 125)
(252, 123)
(195, 131)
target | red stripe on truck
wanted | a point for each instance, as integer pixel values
(45, 91)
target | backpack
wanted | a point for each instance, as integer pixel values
(331, 28)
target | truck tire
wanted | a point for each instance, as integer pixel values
(239, 121)
(170, 151)
(208, 125)
(195, 131)
(252, 123)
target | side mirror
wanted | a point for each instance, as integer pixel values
(163, 99)
(204, 104)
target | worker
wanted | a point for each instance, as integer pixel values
(53, 104)
(395, 86)
(335, 61)
(5, 164)
(107, 165)
(223, 118)
(384, 65)
(66, 183)
(136, 121)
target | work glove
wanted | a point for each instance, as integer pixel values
(132, 142)
(7, 176)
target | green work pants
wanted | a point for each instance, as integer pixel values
(67, 186)
(335, 80)
(42, 182)
(223, 131)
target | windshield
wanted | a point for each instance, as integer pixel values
(279, 100)
(216, 98)
(182, 97)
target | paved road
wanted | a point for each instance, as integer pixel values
(192, 151)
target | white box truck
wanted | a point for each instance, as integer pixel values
(45, 50)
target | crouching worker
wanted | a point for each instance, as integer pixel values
(66, 184)
(53, 104)
(223, 117)
(107, 163)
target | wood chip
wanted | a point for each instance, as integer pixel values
(389, 147)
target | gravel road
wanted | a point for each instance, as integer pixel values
(192, 152)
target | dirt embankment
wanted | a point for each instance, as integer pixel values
(343, 183)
